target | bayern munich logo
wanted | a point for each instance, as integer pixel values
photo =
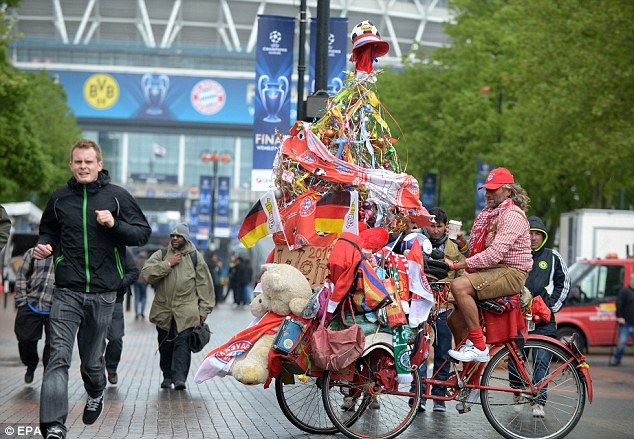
(208, 97)
(307, 208)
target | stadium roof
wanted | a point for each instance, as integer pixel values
(190, 33)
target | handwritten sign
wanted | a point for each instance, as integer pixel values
(310, 260)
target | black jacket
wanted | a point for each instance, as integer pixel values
(88, 256)
(625, 304)
(548, 278)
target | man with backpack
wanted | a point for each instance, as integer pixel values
(184, 297)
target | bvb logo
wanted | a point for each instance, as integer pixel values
(101, 91)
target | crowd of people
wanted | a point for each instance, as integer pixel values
(72, 284)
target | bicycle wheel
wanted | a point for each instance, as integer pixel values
(518, 417)
(302, 404)
(385, 407)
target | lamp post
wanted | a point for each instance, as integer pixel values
(214, 158)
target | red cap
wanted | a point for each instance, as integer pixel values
(497, 178)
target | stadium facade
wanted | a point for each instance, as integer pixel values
(117, 59)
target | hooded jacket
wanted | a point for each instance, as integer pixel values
(89, 257)
(548, 278)
(182, 293)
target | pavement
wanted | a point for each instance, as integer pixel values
(225, 408)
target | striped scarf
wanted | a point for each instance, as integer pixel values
(477, 240)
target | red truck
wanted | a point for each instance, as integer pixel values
(590, 307)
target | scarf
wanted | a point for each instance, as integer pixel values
(481, 225)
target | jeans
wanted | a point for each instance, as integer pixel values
(175, 354)
(541, 361)
(625, 331)
(442, 344)
(115, 338)
(87, 316)
(28, 330)
(140, 299)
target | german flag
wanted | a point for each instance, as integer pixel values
(338, 212)
(263, 219)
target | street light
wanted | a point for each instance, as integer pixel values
(214, 158)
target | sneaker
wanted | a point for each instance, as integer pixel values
(93, 409)
(374, 403)
(55, 432)
(468, 352)
(113, 378)
(179, 385)
(518, 402)
(614, 363)
(422, 406)
(439, 406)
(538, 411)
(166, 383)
(348, 404)
(28, 376)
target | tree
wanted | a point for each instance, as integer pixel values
(544, 88)
(36, 129)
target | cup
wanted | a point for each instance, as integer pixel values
(453, 228)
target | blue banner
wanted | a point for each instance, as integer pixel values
(482, 171)
(156, 96)
(429, 190)
(337, 45)
(205, 199)
(222, 208)
(272, 102)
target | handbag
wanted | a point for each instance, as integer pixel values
(199, 337)
(335, 350)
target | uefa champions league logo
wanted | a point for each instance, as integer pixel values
(273, 95)
(275, 37)
(154, 89)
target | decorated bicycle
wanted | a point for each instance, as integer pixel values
(346, 356)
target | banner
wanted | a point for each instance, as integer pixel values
(337, 45)
(482, 171)
(222, 208)
(429, 190)
(157, 96)
(273, 70)
(205, 198)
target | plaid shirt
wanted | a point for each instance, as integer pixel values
(35, 283)
(508, 242)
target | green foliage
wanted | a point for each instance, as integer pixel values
(544, 88)
(36, 130)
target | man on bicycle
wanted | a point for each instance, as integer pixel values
(498, 262)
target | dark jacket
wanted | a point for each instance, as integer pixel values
(548, 278)
(130, 275)
(89, 256)
(625, 304)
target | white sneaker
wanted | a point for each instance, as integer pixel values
(468, 352)
(518, 403)
(348, 404)
(538, 411)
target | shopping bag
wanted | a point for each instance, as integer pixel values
(395, 314)
(369, 293)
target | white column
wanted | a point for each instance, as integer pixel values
(181, 160)
(125, 142)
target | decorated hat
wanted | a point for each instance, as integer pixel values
(498, 178)
(366, 33)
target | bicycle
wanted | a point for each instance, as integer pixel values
(504, 386)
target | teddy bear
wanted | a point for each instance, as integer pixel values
(285, 291)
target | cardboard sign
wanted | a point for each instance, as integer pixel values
(311, 261)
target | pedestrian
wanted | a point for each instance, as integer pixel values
(5, 227)
(499, 260)
(233, 278)
(216, 275)
(437, 234)
(85, 227)
(140, 289)
(243, 277)
(116, 331)
(184, 297)
(33, 294)
(548, 279)
(624, 318)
